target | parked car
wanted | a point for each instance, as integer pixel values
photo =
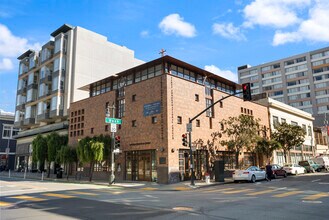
(323, 161)
(310, 166)
(251, 174)
(278, 171)
(294, 169)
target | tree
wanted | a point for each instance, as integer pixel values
(54, 142)
(266, 147)
(40, 150)
(66, 156)
(90, 150)
(242, 132)
(288, 136)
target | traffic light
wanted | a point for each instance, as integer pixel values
(184, 139)
(117, 141)
(246, 92)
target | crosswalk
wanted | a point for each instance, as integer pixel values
(270, 192)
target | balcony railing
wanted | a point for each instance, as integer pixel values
(44, 116)
(29, 121)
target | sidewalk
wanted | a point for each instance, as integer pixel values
(181, 186)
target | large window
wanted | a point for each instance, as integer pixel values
(57, 45)
(56, 64)
(53, 105)
(55, 83)
(9, 131)
(121, 108)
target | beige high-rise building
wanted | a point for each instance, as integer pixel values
(301, 81)
(48, 81)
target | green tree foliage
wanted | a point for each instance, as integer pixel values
(242, 132)
(288, 136)
(40, 150)
(90, 150)
(266, 147)
(54, 142)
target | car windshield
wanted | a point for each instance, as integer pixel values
(304, 163)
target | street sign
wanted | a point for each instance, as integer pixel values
(189, 127)
(117, 151)
(113, 121)
(113, 127)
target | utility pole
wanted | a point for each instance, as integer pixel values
(108, 114)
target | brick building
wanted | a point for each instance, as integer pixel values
(155, 101)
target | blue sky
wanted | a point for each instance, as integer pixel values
(215, 35)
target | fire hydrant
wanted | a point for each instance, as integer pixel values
(207, 177)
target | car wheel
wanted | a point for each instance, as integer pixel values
(253, 179)
(275, 176)
(285, 174)
(296, 172)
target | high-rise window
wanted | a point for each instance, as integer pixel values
(55, 83)
(53, 105)
(56, 64)
(57, 45)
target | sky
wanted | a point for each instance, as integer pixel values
(216, 35)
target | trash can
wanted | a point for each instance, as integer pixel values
(59, 173)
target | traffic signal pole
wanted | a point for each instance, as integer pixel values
(190, 134)
(112, 177)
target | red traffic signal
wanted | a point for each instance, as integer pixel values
(184, 139)
(117, 141)
(246, 91)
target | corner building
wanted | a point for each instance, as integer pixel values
(155, 101)
(48, 81)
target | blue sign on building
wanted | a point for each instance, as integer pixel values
(152, 108)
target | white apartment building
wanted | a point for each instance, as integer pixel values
(279, 113)
(301, 81)
(48, 80)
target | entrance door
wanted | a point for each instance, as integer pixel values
(144, 168)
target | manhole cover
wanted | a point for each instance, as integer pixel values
(183, 208)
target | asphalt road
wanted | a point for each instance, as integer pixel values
(301, 197)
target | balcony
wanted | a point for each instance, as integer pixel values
(57, 113)
(44, 116)
(20, 107)
(22, 91)
(29, 121)
(47, 79)
(19, 124)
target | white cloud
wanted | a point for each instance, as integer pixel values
(3, 112)
(144, 34)
(12, 46)
(228, 31)
(6, 64)
(314, 29)
(274, 13)
(227, 74)
(174, 24)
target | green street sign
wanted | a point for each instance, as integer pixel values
(113, 121)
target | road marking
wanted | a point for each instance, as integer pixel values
(28, 198)
(307, 201)
(315, 180)
(5, 204)
(181, 188)
(148, 188)
(58, 195)
(316, 196)
(237, 191)
(261, 192)
(323, 183)
(217, 190)
(83, 193)
(287, 194)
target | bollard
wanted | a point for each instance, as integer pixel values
(25, 174)
(207, 178)
(42, 176)
(9, 173)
